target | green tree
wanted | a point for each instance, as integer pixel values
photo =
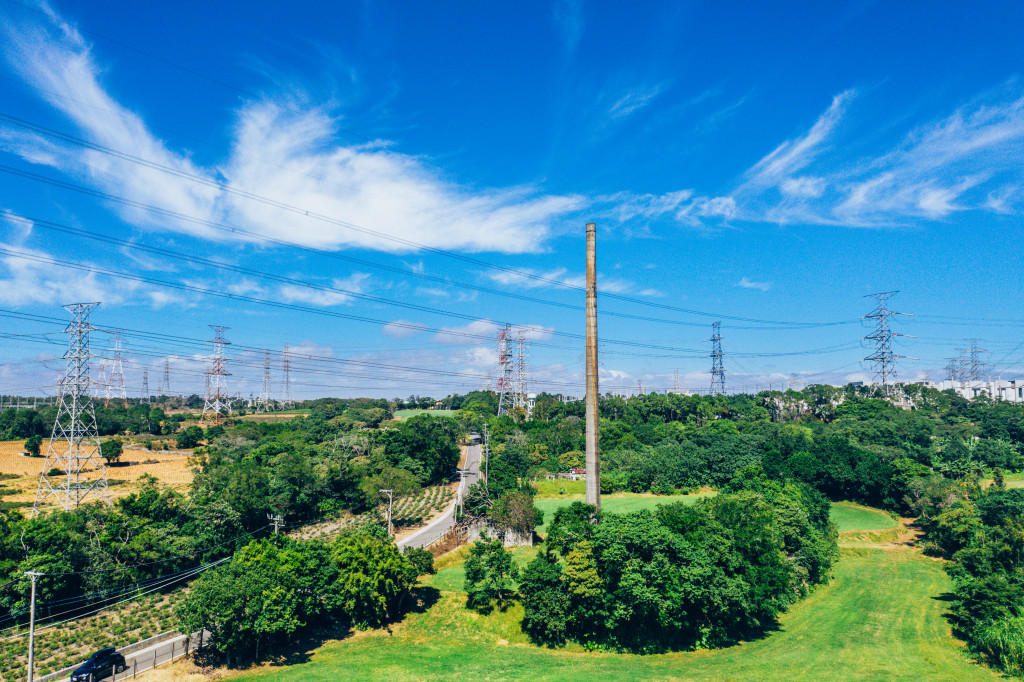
(372, 576)
(515, 511)
(111, 450)
(33, 445)
(489, 575)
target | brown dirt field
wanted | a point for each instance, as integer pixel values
(171, 468)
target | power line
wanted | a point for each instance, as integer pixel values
(225, 187)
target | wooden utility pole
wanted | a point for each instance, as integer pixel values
(593, 436)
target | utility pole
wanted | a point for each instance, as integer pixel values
(217, 399)
(276, 521)
(884, 358)
(74, 443)
(593, 460)
(487, 450)
(32, 626)
(717, 369)
(391, 501)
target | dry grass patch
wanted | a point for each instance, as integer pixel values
(171, 468)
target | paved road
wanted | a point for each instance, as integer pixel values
(159, 654)
(428, 534)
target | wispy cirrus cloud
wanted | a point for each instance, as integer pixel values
(968, 160)
(747, 283)
(528, 278)
(953, 164)
(279, 152)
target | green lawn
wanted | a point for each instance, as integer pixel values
(850, 516)
(618, 503)
(880, 619)
(405, 414)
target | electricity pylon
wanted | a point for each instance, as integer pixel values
(74, 446)
(217, 400)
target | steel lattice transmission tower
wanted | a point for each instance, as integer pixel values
(884, 358)
(263, 401)
(974, 363)
(102, 384)
(286, 377)
(217, 400)
(521, 395)
(145, 385)
(717, 368)
(117, 372)
(74, 444)
(505, 383)
(167, 377)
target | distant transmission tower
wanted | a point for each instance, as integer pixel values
(504, 385)
(102, 387)
(675, 381)
(974, 363)
(116, 380)
(717, 369)
(884, 358)
(286, 377)
(145, 385)
(217, 400)
(263, 401)
(167, 377)
(521, 394)
(74, 444)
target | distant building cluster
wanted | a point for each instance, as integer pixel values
(1010, 390)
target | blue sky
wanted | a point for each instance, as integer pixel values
(380, 185)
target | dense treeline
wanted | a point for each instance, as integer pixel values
(301, 469)
(272, 589)
(683, 577)
(846, 444)
(982, 532)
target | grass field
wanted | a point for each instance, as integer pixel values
(850, 517)
(619, 503)
(881, 618)
(405, 414)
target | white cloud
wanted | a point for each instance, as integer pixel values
(340, 291)
(467, 333)
(965, 161)
(32, 280)
(750, 284)
(793, 155)
(299, 163)
(21, 226)
(634, 100)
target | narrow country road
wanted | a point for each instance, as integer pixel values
(428, 534)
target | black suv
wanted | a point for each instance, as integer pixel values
(102, 663)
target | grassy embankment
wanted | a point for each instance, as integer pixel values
(879, 619)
